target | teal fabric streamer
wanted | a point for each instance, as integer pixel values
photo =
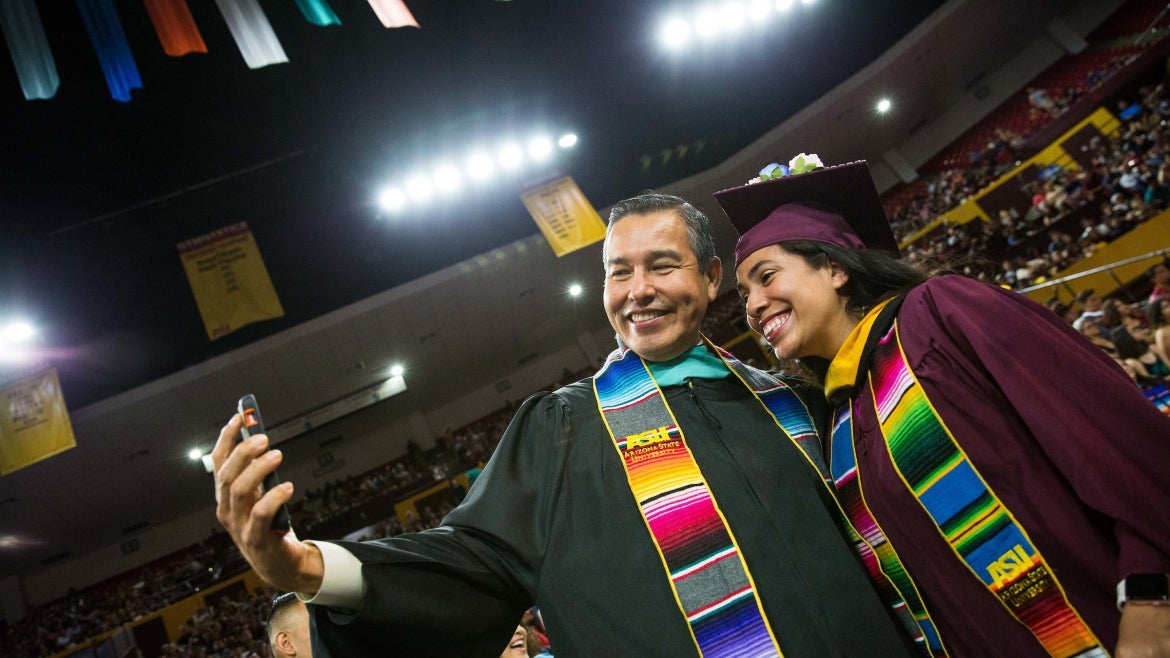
(25, 35)
(113, 51)
(318, 12)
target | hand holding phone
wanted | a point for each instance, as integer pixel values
(254, 424)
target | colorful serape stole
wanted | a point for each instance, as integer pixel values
(1159, 394)
(712, 584)
(982, 532)
(881, 560)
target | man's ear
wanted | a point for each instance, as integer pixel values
(714, 275)
(285, 643)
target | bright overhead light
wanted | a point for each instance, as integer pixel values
(447, 178)
(195, 454)
(480, 167)
(759, 10)
(540, 148)
(575, 290)
(17, 331)
(807, 2)
(392, 199)
(568, 140)
(707, 23)
(418, 187)
(883, 106)
(784, 5)
(510, 156)
(674, 34)
(396, 370)
(732, 15)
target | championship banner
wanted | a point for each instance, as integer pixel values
(228, 277)
(34, 422)
(564, 215)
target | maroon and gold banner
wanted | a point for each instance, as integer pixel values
(229, 280)
(567, 219)
(34, 422)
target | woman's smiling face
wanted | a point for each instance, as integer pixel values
(793, 305)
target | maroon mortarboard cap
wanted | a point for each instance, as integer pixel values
(837, 205)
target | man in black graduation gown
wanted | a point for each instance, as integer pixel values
(553, 518)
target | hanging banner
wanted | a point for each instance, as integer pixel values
(34, 422)
(229, 280)
(25, 35)
(318, 12)
(393, 13)
(253, 33)
(567, 219)
(176, 28)
(113, 50)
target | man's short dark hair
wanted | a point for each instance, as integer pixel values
(698, 226)
(1154, 268)
(280, 604)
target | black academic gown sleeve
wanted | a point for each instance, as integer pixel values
(461, 588)
(552, 521)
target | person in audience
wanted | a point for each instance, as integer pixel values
(1159, 275)
(1134, 341)
(672, 504)
(1009, 477)
(288, 627)
(1158, 316)
(1091, 304)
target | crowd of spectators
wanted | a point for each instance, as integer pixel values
(78, 616)
(1072, 212)
(232, 627)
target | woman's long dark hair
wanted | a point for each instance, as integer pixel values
(873, 274)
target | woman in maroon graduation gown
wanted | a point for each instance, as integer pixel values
(1008, 484)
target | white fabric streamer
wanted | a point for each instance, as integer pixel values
(252, 32)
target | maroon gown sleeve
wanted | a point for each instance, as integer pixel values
(1087, 421)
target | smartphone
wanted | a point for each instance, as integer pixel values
(254, 424)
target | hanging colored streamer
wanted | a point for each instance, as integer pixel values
(35, 68)
(318, 12)
(175, 27)
(252, 32)
(393, 13)
(113, 51)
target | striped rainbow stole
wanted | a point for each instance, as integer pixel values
(881, 560)
(711, 581)
(981, 531)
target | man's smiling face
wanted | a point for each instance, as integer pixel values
(655, 292)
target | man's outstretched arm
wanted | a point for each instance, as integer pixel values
(280, 559)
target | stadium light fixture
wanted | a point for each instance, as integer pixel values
(540, 148)
(392, 199)
(480, 167)
(675, 33)
(419, 187)
(510, 157)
